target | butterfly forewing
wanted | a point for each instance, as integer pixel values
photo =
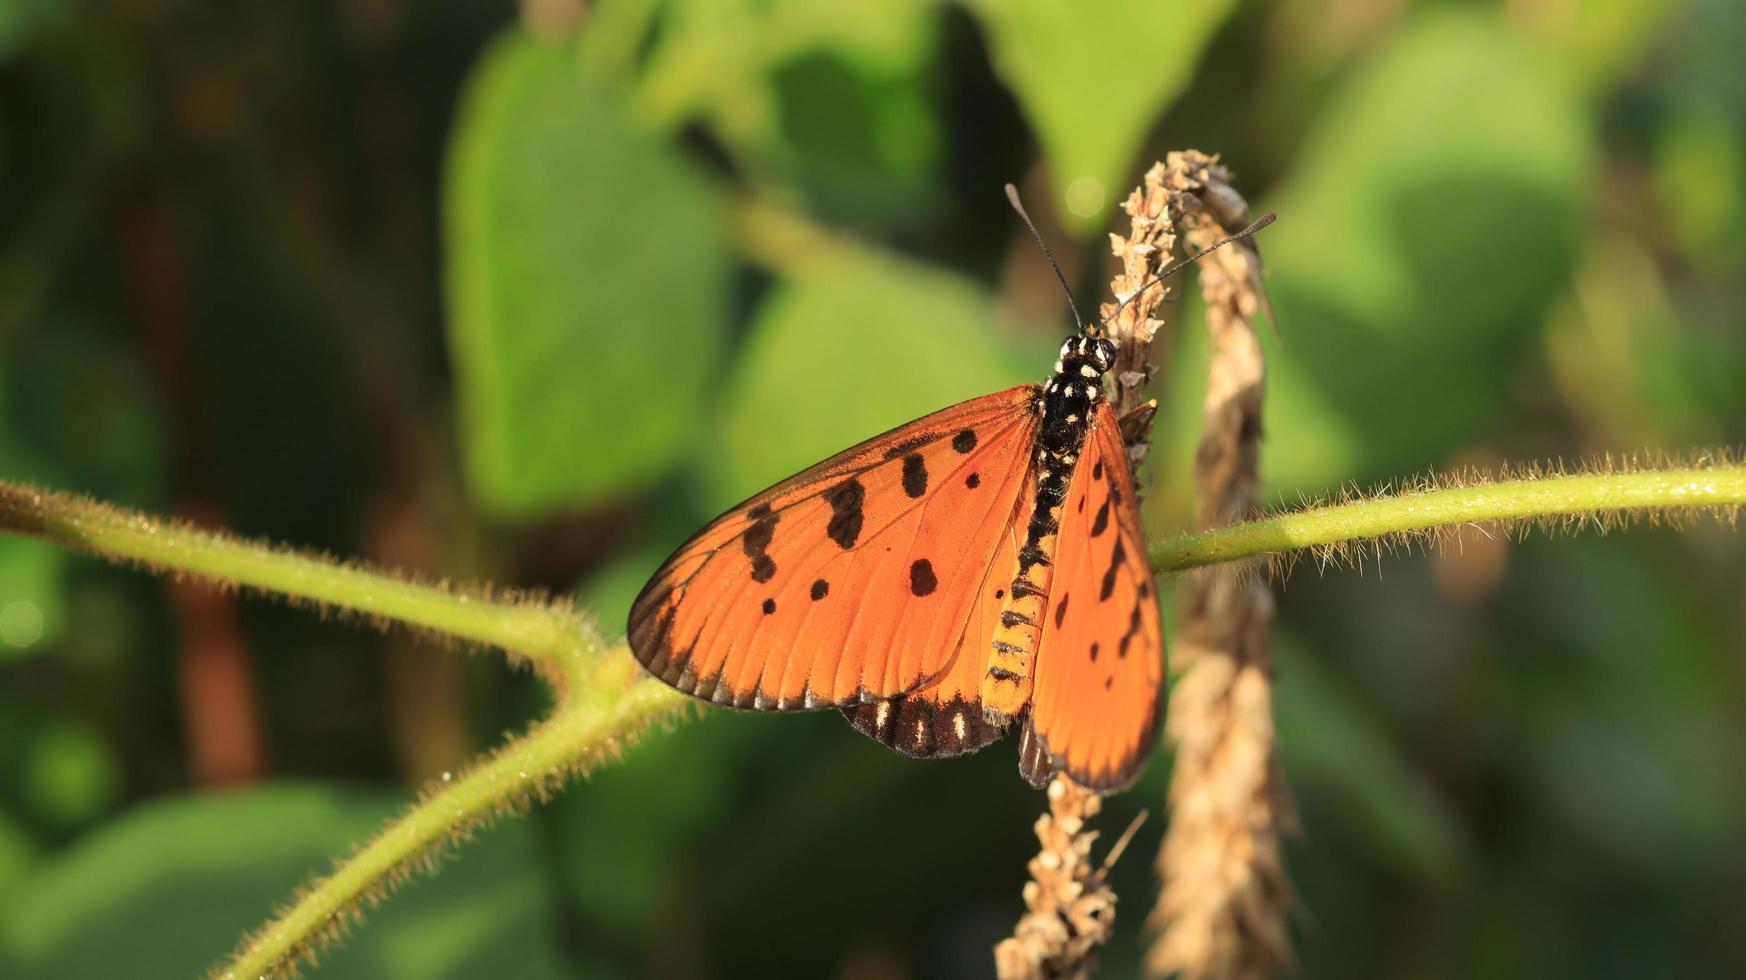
(1096, 704)
(851, 582)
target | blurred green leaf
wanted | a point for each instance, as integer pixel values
(1600, 40)
(21, 21)
(1627, 364)
(1425, 233)
(19, 852)
(122, 449)
(32, 608)
(1700, 186)
(858, 135)
(831, 97)
(1091, 77)
(71, 774)
(848, 351)
(587, 279)
(169, 888)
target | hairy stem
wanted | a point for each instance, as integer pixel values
(1601, 497)
(606, 701)
(536, 630)
(608, 709)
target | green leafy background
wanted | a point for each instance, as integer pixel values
(525, 293)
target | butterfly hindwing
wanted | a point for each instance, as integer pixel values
(851, 582)
(1097, 698)
(944, 717)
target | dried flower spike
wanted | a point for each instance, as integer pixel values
(1222, 911)
(1071, 906)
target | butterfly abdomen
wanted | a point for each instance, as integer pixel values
(1065, 403)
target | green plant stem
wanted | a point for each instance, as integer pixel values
(615, 704)
(1651, 492)
(605, 699)
(535, 630)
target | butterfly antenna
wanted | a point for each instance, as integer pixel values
(1258, 224)
(1012, 196)
(1121, 845)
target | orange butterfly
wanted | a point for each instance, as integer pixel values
(978, 566)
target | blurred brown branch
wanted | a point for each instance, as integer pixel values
(1222, 912)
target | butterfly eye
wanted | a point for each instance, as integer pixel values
(1103, 351)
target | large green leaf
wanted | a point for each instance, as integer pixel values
(849, 351)
(169, 888)
(587, 278)
(1091, 77)
(1428, 226)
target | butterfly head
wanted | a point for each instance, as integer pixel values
(1086, 357)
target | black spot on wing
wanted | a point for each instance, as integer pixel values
(1094, 653)
(1097, 470)
(1109, 577)
(1133, 631)
(846, 517)
(820, 589)
(915, 475)
(1061, 611)
(769, 606)
(757, 539)
(964, 441)
(921, 578)
(1099, 522)
(973, 481)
